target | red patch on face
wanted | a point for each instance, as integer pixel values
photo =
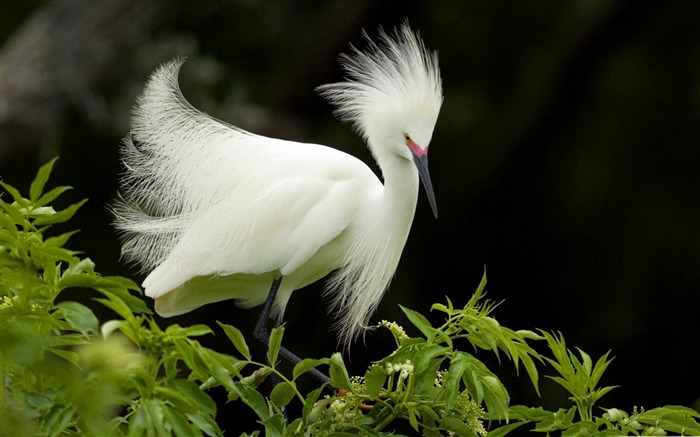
(415, 149)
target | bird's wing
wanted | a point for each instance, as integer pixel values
(273, 223)
(203, 197)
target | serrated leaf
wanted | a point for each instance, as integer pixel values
(374, 380)
(181, 426)
(8, 227)
(15, 213)
(501, 431)
(676, 419)
(59, 240)
(16, 195)
(274, 344)
(116, 305)
(190, 389)
(309, 403)
(495, 395)
(458, 365)
(61, 216)
(57, 419)
(338, 373)
(412, 420)
(422, 358)
(283, 393)
(197, 330)
(205, 423)
(531, 369)
(110, 326)
(236, 336)
(580, 429)
(133, 303)
(600, 366)
(274, 425)
(602, 392)
(69, 356)
(79, 316)
(305, 365)
(37, 185)
(457, 427)
(253, 399)
(51, 196)
(178, 399)
(420, 322)
(587, 363)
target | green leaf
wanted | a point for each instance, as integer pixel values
(205, 423)
(482, 384)
(600, 366)
(676, 419)
(309, 403)
(422, 358)
(253, 399)
(50, 196)
(37, 186)
(495, 395)
(274, 344)
(15, 213)
(458, 365)
(57, 420)
(110, 326)
(154, 409)
(61, 216)
(457, 427)
(177, 399)
(203, 401)
(8, 227)
(117, 305)
(69, 356)
(505, 429)
(338, 372)
(283, 393)
(236, 336)
(374, 380)
(305, 365)
(14, 192)
(180, 424)
(197, 330)
(274, 425)
(79, 316)
(420, 322)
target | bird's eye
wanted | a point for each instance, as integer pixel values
(407, 137)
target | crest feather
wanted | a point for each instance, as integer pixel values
(398, 72)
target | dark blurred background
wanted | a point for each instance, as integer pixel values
(565, 159)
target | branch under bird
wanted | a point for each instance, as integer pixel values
(214, 212)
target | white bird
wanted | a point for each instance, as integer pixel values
(214, 212)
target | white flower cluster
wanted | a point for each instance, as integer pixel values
(6, 301)
(440, 378)
(405, 369)
(342, 412)
(395, 329)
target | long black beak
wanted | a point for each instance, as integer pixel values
(422, 165)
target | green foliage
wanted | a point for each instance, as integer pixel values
(65, 372)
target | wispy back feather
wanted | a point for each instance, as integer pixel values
(169, 158)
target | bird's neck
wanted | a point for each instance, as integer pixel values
(400, 191)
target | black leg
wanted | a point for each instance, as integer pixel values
(262, 335)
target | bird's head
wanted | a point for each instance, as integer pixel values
(392, 95)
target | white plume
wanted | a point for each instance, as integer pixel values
(214, 212)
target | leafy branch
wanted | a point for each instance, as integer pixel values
(65, 372)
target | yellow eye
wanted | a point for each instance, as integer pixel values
(406, 137)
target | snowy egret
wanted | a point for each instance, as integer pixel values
(214, 212)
